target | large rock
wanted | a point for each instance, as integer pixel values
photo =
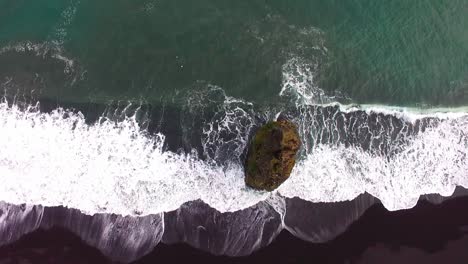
(272, 155)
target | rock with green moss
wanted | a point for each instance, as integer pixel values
(272, 155)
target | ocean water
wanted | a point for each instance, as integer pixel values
(396, 53)
(142, 108)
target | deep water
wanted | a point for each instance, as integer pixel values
(397, 52)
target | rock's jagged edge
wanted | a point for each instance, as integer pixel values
(272, 155)
(125, 239)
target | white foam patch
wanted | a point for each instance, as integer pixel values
(298, 78)
(434, 162)
(228, 131)
(56, 159)
(299, 82)
(410, 114)
(300, 85)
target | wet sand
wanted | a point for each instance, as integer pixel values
(427, 233)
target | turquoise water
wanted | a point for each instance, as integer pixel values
(411, 53)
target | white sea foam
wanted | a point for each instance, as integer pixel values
(299, 83)
(114, 167)
(226, 135)
(434, 161)
(410, 114)
(56, 159)
(298, 78)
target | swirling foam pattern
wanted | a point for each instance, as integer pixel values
(116, 167)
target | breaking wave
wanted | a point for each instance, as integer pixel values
(57, 159)
(115, 165)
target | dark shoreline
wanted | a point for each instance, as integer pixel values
(425, 231)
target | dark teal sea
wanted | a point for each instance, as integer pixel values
(411, 53)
